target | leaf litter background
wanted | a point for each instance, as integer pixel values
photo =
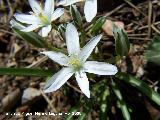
(21, 94)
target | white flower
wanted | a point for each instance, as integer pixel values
(90, 7)
(40, 17)
(75, 63)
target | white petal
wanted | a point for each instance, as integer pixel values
(72, 39)
(90, 9)
(29, 19)
(31, 28)
(57, 13)
(83, 83)
(58, 79)
(67, 2)
(45, 30)
(100, 68)
(88, 48)
(35, 6)
(49, 7)
(16, 24)
(58, 57)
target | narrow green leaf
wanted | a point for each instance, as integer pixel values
(140, 85)
(121, 102)
(97, 25)
(121, 41)
(153, 52)
(117, 91)
(124, 110)
(25, 72)
(104, 104)
(82, 116)
(31, 37)
(73, 109)
(62, 29)
(76, 16)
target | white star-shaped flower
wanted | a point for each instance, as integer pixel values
(40, 17)
(90, 7)
(75, 63)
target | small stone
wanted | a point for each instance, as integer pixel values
(108, 26)
(30, 95)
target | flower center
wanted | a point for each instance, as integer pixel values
(75, 63)
(43, 19)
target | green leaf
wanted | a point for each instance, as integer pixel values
(124, 110)
(121, 41)
(61, 29)
(73, 109)
(117, 91)
(97, 26)
(82, 116)
(25, 72)
(140, 85)
(121, 102)
(76, 16)
(31, 37)
(104, 104)
(153, 52)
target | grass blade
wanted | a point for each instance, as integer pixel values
(25, 72)
(31, 38)
(121, 102)
(141, 86)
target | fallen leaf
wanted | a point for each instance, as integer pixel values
(9, 101)
(108, 26)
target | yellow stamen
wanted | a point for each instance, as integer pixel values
(43, 18)
(75, 63)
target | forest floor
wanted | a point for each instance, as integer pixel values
(142, 23)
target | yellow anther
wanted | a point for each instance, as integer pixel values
(75, 63)
(43, 18)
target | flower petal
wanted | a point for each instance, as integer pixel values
(72, 39)
(31, 28)
(58, 57)
(57, 13)
(45, 30)
(58, 79)
(16, 24)
(67, 2)
(29, 19)
(49, 7)
(100, 68)
(83, 83)
(90, 9)
(35, 6)
(88, 48)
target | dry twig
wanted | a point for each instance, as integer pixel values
(132, 5)
(48, 101)
(149, 18)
